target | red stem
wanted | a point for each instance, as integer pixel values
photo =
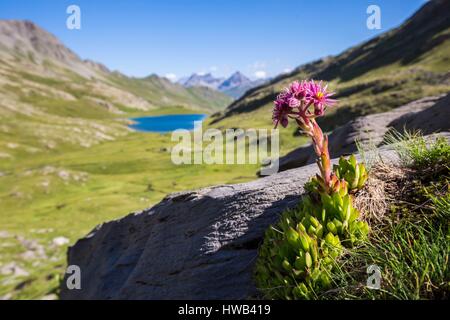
(320, 144)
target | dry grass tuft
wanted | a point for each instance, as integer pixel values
(380, 191)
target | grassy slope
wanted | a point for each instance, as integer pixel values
(411, 242)
(400, 66)
(50, 185)
(115, 178)
(162, 92)
(68, 162)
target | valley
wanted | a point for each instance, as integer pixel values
(69, 161)
(66, 151)
(93, 185)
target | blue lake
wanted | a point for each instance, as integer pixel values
(166, 123)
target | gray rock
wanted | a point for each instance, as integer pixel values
(50, 297)
(428, 120)
(203, 244)
(60, 241)
(192, 245)
(429, 115)
(13, 269)
(4, 234)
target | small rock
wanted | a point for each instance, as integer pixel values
(64, 175)
(7, 296)
(41, 231)
(12, 145)
(60, 241)
(45, 184)
(34, 250)
(4, 234)
(5, 155)
(13, 269)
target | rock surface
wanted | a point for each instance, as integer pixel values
(429, 115)
(192, 245)
(203, 244)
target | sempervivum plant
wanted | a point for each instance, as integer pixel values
(354, 173)
(299, 253)
(303, 102)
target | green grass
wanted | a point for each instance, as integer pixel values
(414, 263)
(150, 88)
(52, 184)
(106, 181)
(412, 249)
(414, 150)
(67, 165)
(80, 108)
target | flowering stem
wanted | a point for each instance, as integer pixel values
(320, 145)
(303, 102)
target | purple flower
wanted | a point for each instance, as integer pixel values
(319, 97)
(296, 101)
(299, 90)
(281, 110)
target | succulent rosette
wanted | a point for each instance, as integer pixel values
(299, 254)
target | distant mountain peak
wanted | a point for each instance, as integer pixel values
(388, 65)
(239, 77)
(24, 36)
(238, 84)
(234, 86)
(235, 80)
(238, 74)
(202, 80)
(25, 39)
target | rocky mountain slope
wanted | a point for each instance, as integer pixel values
(399, 66)
(202, 80)
(193, 245)
(234, 86)
(26, 46)
(430, 115)
(238, 84)
(49, 94)
(200, 244)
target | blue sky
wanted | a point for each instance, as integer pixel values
(180, 37)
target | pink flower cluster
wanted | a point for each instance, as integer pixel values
(302, 101)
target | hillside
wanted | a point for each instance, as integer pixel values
(238, 84)
(66, 152)
(162, 92)
(50, 94)
(234, 86)
(397, 67)
(68, 162)
(203, 244)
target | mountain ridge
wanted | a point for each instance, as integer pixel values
(234, 86)
(202, 80)
(388, 68)
(27, 47)
(60, 99)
